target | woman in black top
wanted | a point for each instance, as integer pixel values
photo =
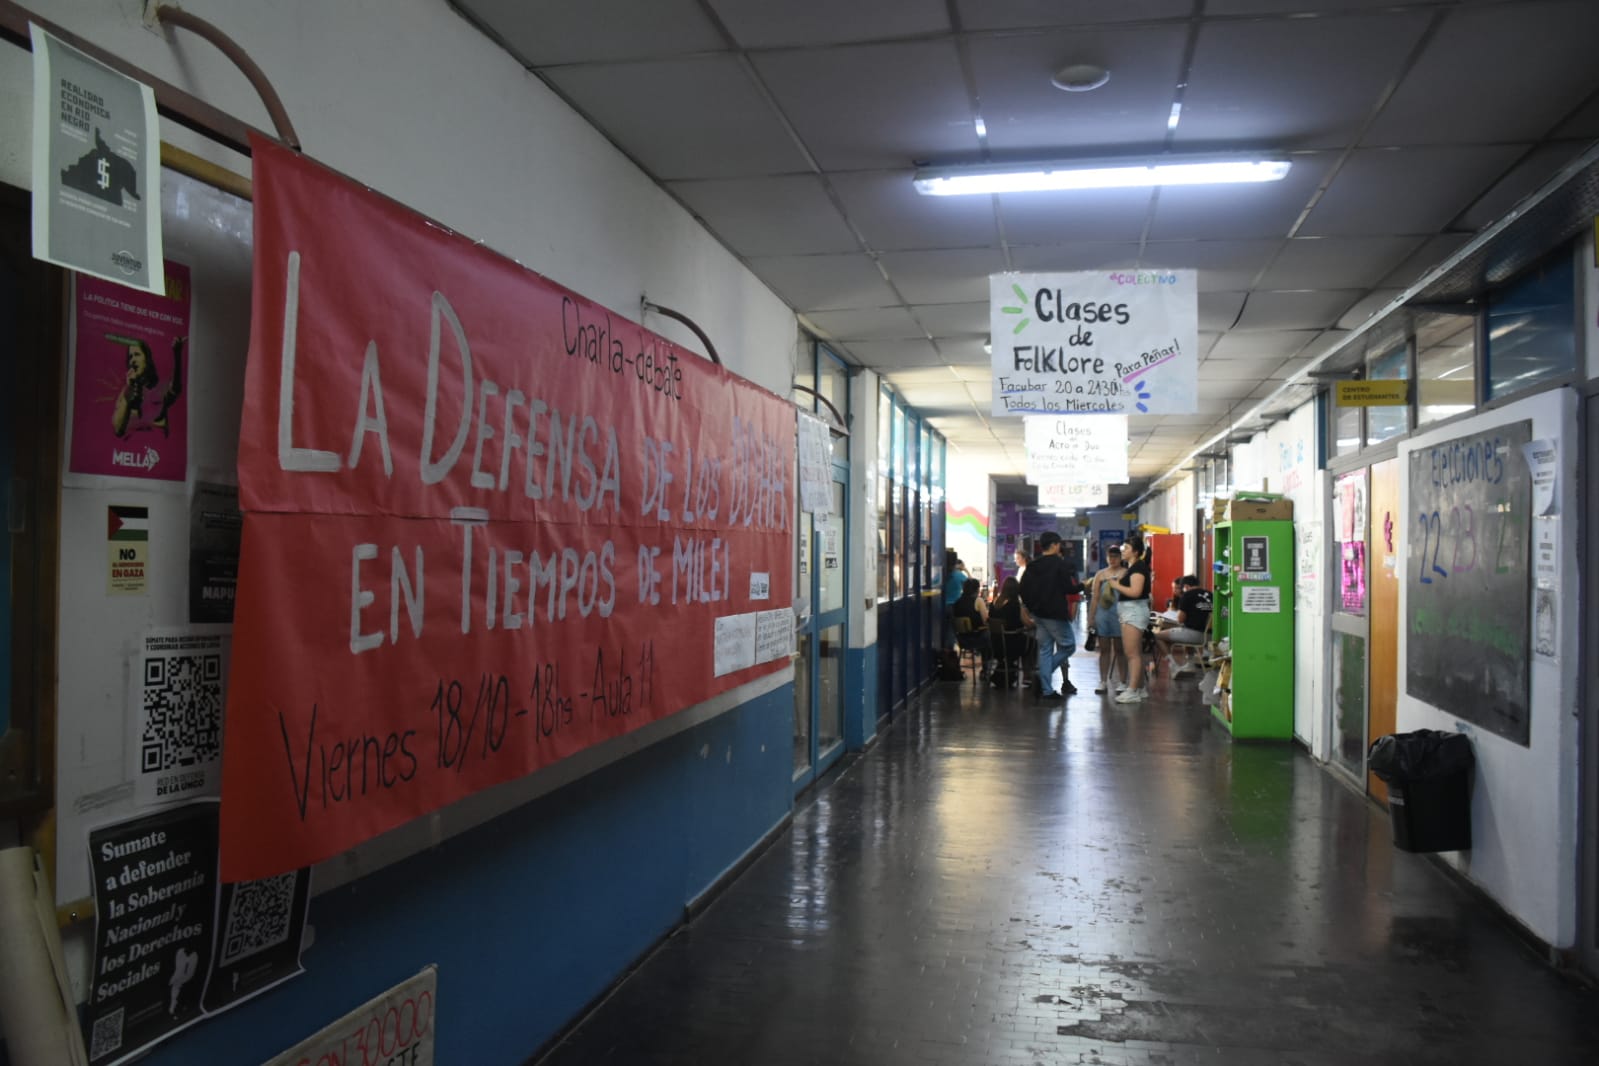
(1133, 609)
(1013, 619)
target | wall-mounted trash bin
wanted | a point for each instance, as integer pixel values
(1428, 773)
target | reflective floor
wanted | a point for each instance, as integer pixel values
(1001, 881)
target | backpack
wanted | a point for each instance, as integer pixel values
(949, 665)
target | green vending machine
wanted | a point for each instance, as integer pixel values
(1254, 615)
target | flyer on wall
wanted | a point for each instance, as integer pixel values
(129, 364)
(96, 168)
(169, 947)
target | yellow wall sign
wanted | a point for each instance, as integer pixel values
(1373, 393)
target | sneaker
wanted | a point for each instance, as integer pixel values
(1132, 695)
(1070, 689)
(1100, 691)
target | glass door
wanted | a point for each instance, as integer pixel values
(1348, 694)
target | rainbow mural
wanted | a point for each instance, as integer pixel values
(967, 520)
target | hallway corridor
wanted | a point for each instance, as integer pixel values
(1000, 881)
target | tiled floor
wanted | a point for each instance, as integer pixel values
(1000, 881)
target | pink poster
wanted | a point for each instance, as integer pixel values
(129, 417)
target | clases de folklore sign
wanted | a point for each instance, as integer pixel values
(1095, 342)
(487, 523)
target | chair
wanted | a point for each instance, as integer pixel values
(971, 643)
(1188, 659)
(1007, 646)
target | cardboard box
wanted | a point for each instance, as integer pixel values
(1262, 509)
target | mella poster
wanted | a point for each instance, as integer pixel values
(487, 524)
(129, 416)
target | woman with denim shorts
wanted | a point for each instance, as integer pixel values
(1133, 609)
(1106, 622)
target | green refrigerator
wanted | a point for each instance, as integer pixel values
(1254, 614)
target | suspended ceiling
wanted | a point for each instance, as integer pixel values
(792, 127)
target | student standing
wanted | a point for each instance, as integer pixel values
(1133, 610)
(1047, 589)
(1106, 621)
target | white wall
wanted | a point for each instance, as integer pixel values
(1524, 807)
(863, 513)
(969, 486)
(406, 97)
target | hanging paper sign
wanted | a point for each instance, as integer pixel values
(487, 524)
(1072, 497)
(815, 465)
(1076, 449)
(1117, 342)
(96, 168)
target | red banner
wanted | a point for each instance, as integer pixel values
(487, 524)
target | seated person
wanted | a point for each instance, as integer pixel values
(1008, 623)
(971, 607)
(1193, 616)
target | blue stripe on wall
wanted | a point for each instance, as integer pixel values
(532, 915)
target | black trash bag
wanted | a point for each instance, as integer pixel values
(1424, 755)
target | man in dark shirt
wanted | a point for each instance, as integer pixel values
(1194, 606)
(1047, 588)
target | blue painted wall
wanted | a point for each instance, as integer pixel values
(861, 696)
(534, 914)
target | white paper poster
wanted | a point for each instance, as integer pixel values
(176, 709)
(1262, 599)
(1095, 342)
(774, 635)
(397, 1029)
(816, 465)
(1545, 552)
(1545, 623)
(735, 644)
(1076, 449)
(96, 168)
(760, 585)
(1543, 459)
(1072, 497)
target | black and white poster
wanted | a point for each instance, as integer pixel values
(96, 168)
(170, 945)
(1257, 559)
(214, 528)
(175, 705)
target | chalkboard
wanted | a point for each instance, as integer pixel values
(1467, 611)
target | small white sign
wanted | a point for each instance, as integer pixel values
(1083, 449)
(176, 709)
(760, 586)
(1262, 599)
(1095, 342)
(396, 1027)
(1545, 623)
(1543, 459)
(1072, 497)
(735, 644)
(816, 465)
(1545, 552)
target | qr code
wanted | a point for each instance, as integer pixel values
(106, 1037)
(182, 712)
(260, 916)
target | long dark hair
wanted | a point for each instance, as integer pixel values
(1135, 541)
(1010, 590)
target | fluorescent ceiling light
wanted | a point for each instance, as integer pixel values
(1176, 116)
(1043, 177)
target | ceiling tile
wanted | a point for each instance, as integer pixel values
(545, 32)
(893, 216)
(1219, 310)
(1432, 253)
(1245, 370)
(895, 354)
(1019, 14)
(1365, 307)
(1403, 191)
(975, 371)
(824, 282)
(1509, 71)
(1088, 215)
(769, 216)
(874, 106)
(945, 277)
(1063, 257)
(763, 24)
(1583, 125)
(655, 111)
(1240, 212)
(1224, 389)
(1524, 179)
(1222, 265)
(1025, 113)
(1292, 83)
(928, 375)
(953, 320)
(951, 398)
(1280, 344)
(1337, 262)
(963, 352)
(1295, 310)
(879, 323)
(1284, 7)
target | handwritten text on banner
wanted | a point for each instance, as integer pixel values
(1075, 449)
(1116, 342)
(1062, 497)
(488, 524)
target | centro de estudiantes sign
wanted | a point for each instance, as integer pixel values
(1095, 342)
